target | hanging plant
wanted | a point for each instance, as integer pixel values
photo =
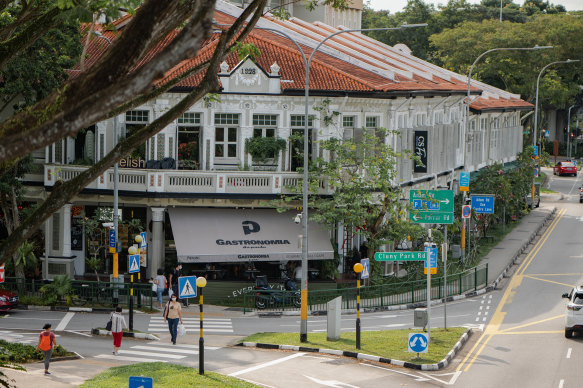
(263, 148)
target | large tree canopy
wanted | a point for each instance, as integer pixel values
(120, 80)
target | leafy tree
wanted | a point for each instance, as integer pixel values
(94, 94)
(96, 240)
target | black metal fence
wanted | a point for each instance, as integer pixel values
(389, 294)
(88, 293)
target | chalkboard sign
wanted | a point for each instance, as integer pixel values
(420, 151)
(76, 234)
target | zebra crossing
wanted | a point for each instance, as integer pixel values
(211, 325)
(155, 352)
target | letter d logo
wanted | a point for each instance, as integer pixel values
(250, 227)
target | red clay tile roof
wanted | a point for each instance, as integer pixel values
(351, 63)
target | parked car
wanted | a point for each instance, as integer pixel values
(574, 313)
(8, 300)
(564, 168)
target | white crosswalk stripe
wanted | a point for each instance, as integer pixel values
(21, 337)
(211, 325)
(155, 352)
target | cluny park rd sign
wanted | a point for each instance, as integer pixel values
(400, 256)
(431, 206)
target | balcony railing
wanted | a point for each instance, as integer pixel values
(184, 181)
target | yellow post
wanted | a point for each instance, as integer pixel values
(463, 238)
(358, 269)
(115, 265)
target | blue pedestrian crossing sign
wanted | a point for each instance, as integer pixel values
(141, 382)
(418, 343)
(187, 287)
(133, 263)
(365, 274)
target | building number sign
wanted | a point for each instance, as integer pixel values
(420, 151)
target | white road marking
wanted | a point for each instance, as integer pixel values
(395, 325)
(561, 383)
(477, 319)
(124, 358)
(484, 319)
(266, 364)
(417, 378)
(138, 353)
(166, 349)
(330, 383)
(569, 353)
(76, 332)
(64, 322)
(450, 382)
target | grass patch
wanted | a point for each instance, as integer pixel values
(20, 353)
(547, 191)
(387, 343)
(164, 375)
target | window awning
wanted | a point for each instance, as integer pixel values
(204, 235)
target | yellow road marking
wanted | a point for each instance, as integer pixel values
(534, 332)
(498, 316)
(529, 324)
(549, 281)
(555, 274)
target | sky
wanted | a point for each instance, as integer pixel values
(397, 5)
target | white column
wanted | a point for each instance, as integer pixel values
(66, 230)
(157, 247)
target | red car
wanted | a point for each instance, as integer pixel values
(562, 168)
(8, 300)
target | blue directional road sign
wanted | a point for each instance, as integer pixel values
(418, 343)
(365, 268)
(464, 181)
(187, 287)
(112, 238)
(535, 150)
(141, 382)
(483, 203)
(133, 263)
(432, 258)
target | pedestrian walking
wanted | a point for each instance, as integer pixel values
(46, 343)
(173, 314)
(118, 322)
(161, 284)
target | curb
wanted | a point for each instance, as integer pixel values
(363, 356)
(146, 336)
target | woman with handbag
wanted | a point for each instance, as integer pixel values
(173, 314)
(117, 324)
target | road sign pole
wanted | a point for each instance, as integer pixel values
(444, 255)
(200, 340)
(428, 261)
(358, 269)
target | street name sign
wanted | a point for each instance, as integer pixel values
(431, 206)
(400, 256)
(187, 287)
(483, 203)
(418, 343)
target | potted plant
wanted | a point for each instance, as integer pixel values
(263, 148)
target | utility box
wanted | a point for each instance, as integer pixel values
(420, 317)
(334, 308)
(456, 251)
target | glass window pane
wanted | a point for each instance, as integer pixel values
(219, 150)
(232, 134)
(257, 132)
(269, 132)
(232, 150)
(220, 134)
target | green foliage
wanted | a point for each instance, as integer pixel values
(60, 289)
(262, 148)
(21, 353)
(327, 116)
(25, 257)
(244, 50)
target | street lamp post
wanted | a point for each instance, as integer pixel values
(200, 283)
(304, 272)
(467, 126)
(569, 132)
(534, 130)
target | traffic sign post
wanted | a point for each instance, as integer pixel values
(133, 263)
(418, 343)
(400, 256)
(187, 287)
(112, 241)
(464, 181)
(141, 382)
(365, 268)
(431, 206)
(483, 203)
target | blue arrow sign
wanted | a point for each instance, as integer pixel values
(431, 256)
(483, 203)
(418, 343)
(187, 287)
(365, 268)
(112, 238)
(133, 263)
(141, 382)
